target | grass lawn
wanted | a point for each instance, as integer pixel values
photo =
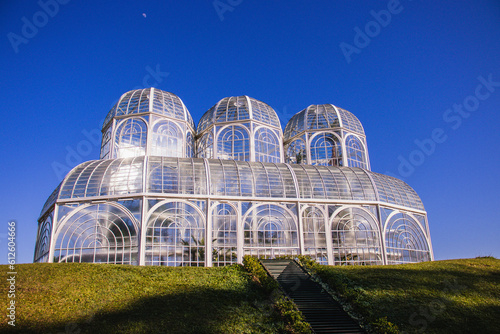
(92, 298)
(452, 296)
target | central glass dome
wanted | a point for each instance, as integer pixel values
(240, 128)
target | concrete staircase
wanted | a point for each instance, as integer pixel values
(320, 310)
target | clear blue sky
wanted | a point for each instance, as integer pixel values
(61, 72)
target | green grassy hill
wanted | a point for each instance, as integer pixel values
(455, 296)
(97, 298)
(452, 296)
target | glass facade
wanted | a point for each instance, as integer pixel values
(165, 194)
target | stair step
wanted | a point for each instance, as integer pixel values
(324, 314)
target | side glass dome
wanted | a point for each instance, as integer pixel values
(323, 134)
(148, 122)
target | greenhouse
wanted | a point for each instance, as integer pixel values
(165, 193)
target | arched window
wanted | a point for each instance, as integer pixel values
(326, 150)
(168, 140)
(175, 236)
(405, 240)
(99, 233)
(224, 240)
(206, 146)
(270, 231)
(131, 138)
(313, 221)
(356, 156)
(233, 143)
(267, 146)
(356, 238)
(296, 152)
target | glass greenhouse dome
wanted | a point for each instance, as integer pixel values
(240, 128)
(326, 135)
(155, 198)
(148, 122)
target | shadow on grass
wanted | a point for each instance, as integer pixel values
(205, 310)
(431, 298)
(435, 279)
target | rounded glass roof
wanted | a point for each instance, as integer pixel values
(150, 100)
(239, 108)
(230, 178)
(320, 117)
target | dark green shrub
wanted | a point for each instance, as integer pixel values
(292, 317)
(253, 266)
(382, 325)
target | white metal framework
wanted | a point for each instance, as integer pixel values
(240, 128)
(148, 201)
(148, 122)
(323, 134)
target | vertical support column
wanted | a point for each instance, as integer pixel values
(428, 237)
(208, 234)
(149, 124)
(328, 232)
(307, 148)
(345, 161)
(301, 229)
(251, 136)
(367, 157)
(112, 143)
(239, 235)
(214, 145)
(144, 210)
(281, 146)
(52, 234)
(382, 235)
(142, 231)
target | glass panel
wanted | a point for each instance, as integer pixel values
(168, 139)
(356, 238)
(326, 150)
(105, 144)
(356, 156)
(405, 240)
(175, 236)
(350, 122)
(99, 233)
(314, 221)
(206, 146)
(233, 143)
(395, 191)
(296, 152)
(42, 246)
(270, 231)
(130, 138)
(267, 146)
(264, 113)
(224, 243)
